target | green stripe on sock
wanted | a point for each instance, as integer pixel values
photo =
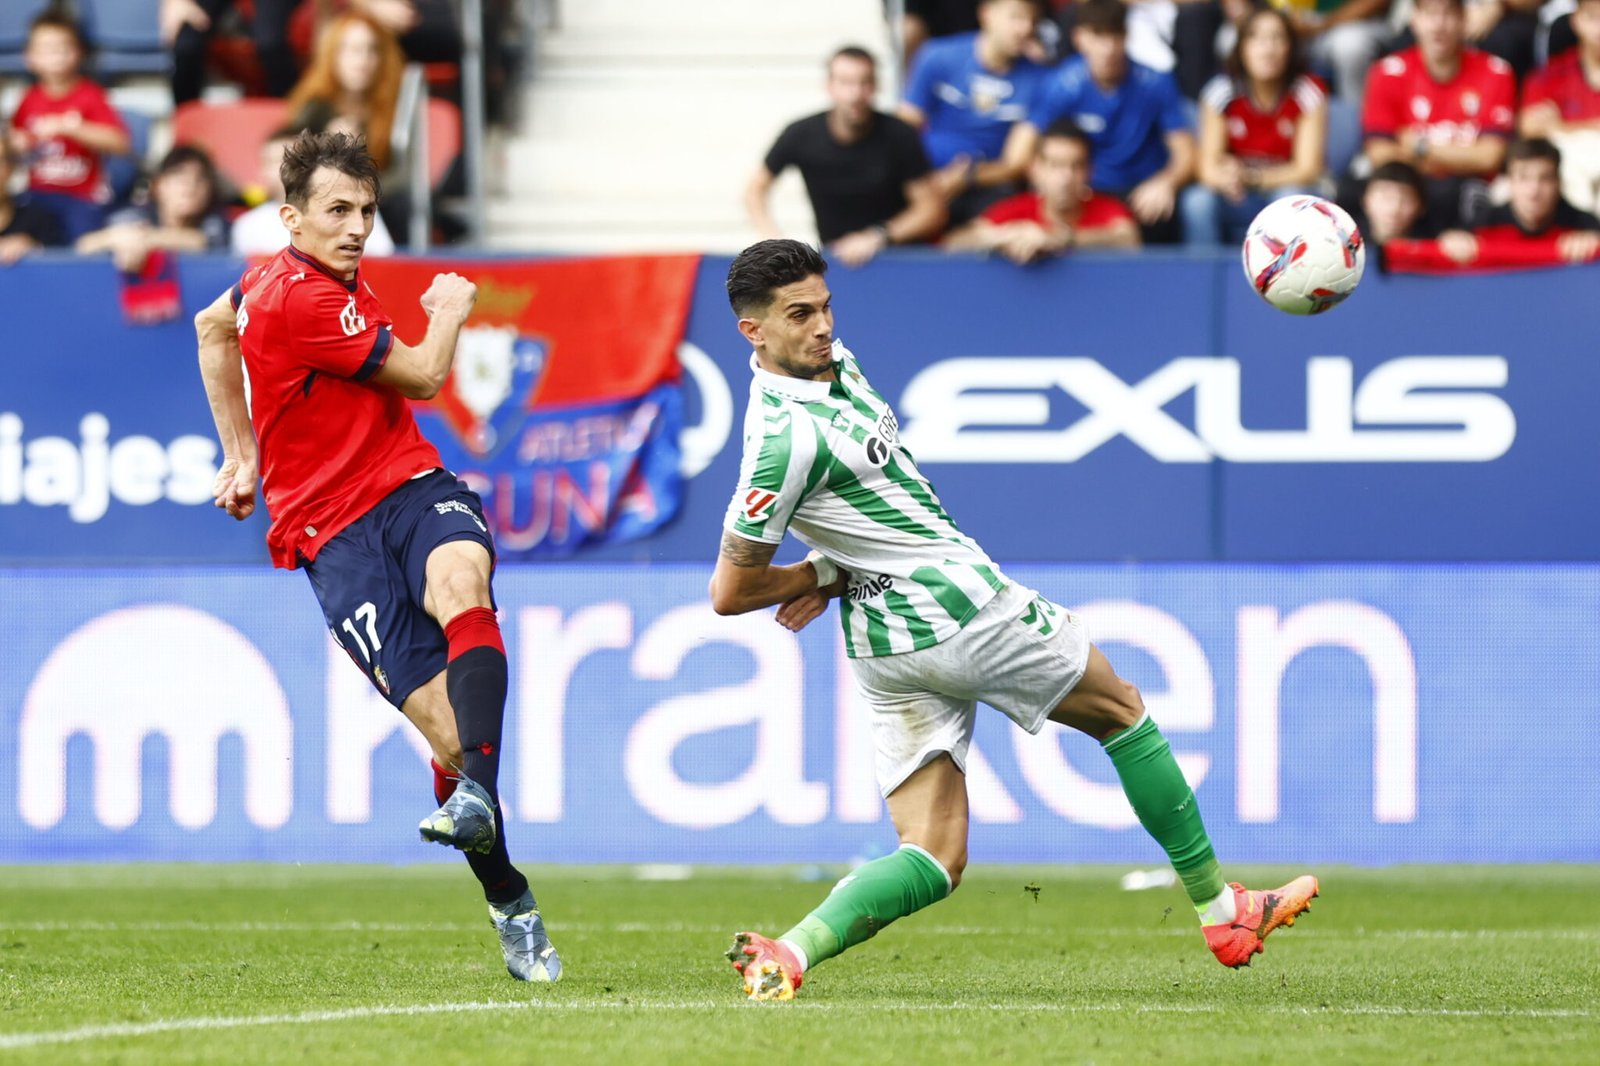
(1166, 807)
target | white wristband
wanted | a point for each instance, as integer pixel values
(827, 570)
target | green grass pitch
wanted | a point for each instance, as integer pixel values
(353, 964)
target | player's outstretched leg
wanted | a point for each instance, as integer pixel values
(1233, 920)
(930, 806)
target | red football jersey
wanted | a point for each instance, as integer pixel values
(1099, 211)
(1561, 82)
(1257, 135)
(332, 441)
(61, 164)
(1481, 99)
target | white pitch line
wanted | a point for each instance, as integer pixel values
(1175, 929)
(173, 1025)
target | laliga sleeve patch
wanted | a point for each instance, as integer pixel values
(758, 504)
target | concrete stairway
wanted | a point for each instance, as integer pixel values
(645, 118)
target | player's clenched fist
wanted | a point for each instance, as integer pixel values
(234, 490)
(450, 294)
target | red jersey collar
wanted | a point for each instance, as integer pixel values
(316, 264)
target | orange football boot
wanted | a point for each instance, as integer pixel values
(769, 969)
(1258, 913)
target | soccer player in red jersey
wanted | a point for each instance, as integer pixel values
(1061, 212)
(396, 548)
(1446, 109)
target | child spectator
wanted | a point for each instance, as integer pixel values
(181, 214)
(1393, 206)
(1137, 119)
(1061, 212)
(1446, 109)
(1562, 103)
(260, 230)
(965, 94)
(1263, 132)
(24, 227)
(1536, 223)
(63, 125)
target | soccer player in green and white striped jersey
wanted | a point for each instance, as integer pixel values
(932, 627)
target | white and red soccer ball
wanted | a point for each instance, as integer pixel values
(1303, 254)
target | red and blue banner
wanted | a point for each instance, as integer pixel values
(564, 408)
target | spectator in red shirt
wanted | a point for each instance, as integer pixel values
(1060, 213)
(63, 125)
(1446, 109)
(1263, 132)
(1562, 103)
(1536, 225)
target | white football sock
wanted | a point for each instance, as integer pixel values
(1222, 909)
(799, 954)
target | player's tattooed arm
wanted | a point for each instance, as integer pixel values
(742, 552)
(745, 579)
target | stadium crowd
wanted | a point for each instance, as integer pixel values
(1459, 133)
(76, 171)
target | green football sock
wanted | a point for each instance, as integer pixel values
(1166, 807)
(870, 898)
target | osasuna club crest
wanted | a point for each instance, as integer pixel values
(495, 371)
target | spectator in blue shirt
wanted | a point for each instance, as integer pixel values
(964, 95)
(1144, 149)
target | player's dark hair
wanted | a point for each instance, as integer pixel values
(853, 51)
(1103, 16)
(1532, 148)
(1401, 173)
(55, 18)
(1037, 5)
(1296, 65)
(765, 267)
(337, 151)
(1067, 129)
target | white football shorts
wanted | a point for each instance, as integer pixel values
(1021, 655)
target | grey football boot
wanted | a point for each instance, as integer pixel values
(466, 821)
(529, 954)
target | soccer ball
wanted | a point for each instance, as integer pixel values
(1303, 254)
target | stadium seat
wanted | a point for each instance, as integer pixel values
(444, 138)
(126, 35)
(1344, 136)
(122, 171)
(232, 133)
(15, 15)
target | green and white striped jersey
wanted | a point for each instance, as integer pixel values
(823, 459)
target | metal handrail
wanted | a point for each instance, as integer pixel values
(410, 142)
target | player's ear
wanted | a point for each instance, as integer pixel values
(751, 328)
(290, 215)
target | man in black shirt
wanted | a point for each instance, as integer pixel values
(868, 178)
(23, 227)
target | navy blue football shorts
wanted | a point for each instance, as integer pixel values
(370, 580)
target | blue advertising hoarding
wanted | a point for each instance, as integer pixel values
(1336, 713)
(1136, 408)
